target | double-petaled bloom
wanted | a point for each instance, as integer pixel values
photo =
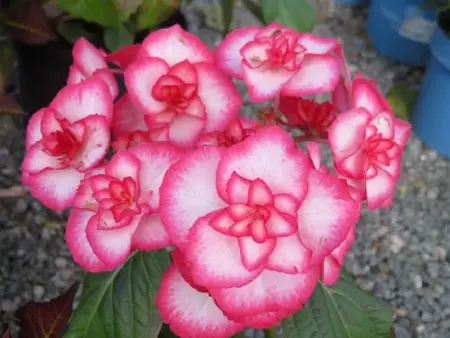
(367, 143)
(116, 208)
(175, 84)
(254, 222)
(67, 139)
(277, 60)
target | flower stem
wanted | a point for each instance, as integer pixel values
(271, 333)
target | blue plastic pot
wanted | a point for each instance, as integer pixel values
(401, 30)
(431, 118)
(352, 2)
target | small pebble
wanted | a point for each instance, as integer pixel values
(38, 292)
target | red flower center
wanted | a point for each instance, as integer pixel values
(255, 212)
(280, 50)
(378, 149)
(120, 197)
(62, 144)
(174, 92)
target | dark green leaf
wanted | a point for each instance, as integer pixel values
(153, 12)
(340, 311)
(121, 303)
(117, 37)
(102, 12)
(227, 14)
(165, 332)
(255, 9)
(296, 14)
(73, 30)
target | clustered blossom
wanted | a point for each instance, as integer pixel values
(253, 221)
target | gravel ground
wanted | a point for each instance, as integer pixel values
(401, 253)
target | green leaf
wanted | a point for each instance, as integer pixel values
(340, 311)
(154, 12)
(117, 37)
(227, 7)
(121, 303)
(296, 14)
(255, 9)
(102, 12)
(73, 30)
(128, 7)
(402, 99)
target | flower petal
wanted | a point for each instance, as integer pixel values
(402, 129)
(125, 56)
(227, 55)
(191, 313)
(326, 215)
(175, 45)
(78, 244)
(270, 291)
(219, 96)
(87, 57)
(126, 117)
(123, 164)
(269, 155)
(347, 132)
(95, 142)
(331, 271)
(317, 74)
(140, 78)
(316, 44)
(216, 259)
(315, 154)
(365, 94)
(264, 320)
(111, 246)
(185, 130)
(255, 255)
(264, 84)
(33, 133)
(289, 256)
(379, 189)
(77, 101)
(36, 159)
(55, 188)
(155, 159)
(75, 75)
(150, 234)
(84, 198)
(106, 75)
(188, 192)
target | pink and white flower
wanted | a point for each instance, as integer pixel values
(255, 222)
(189, 310)
(89, 61)
(116, 209)
(184, 100)
(65, 140)
(275, 59)
(367, 143)
(332, 264)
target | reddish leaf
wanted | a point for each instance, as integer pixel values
(7, 334)
(48, 319)
(31, 25)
